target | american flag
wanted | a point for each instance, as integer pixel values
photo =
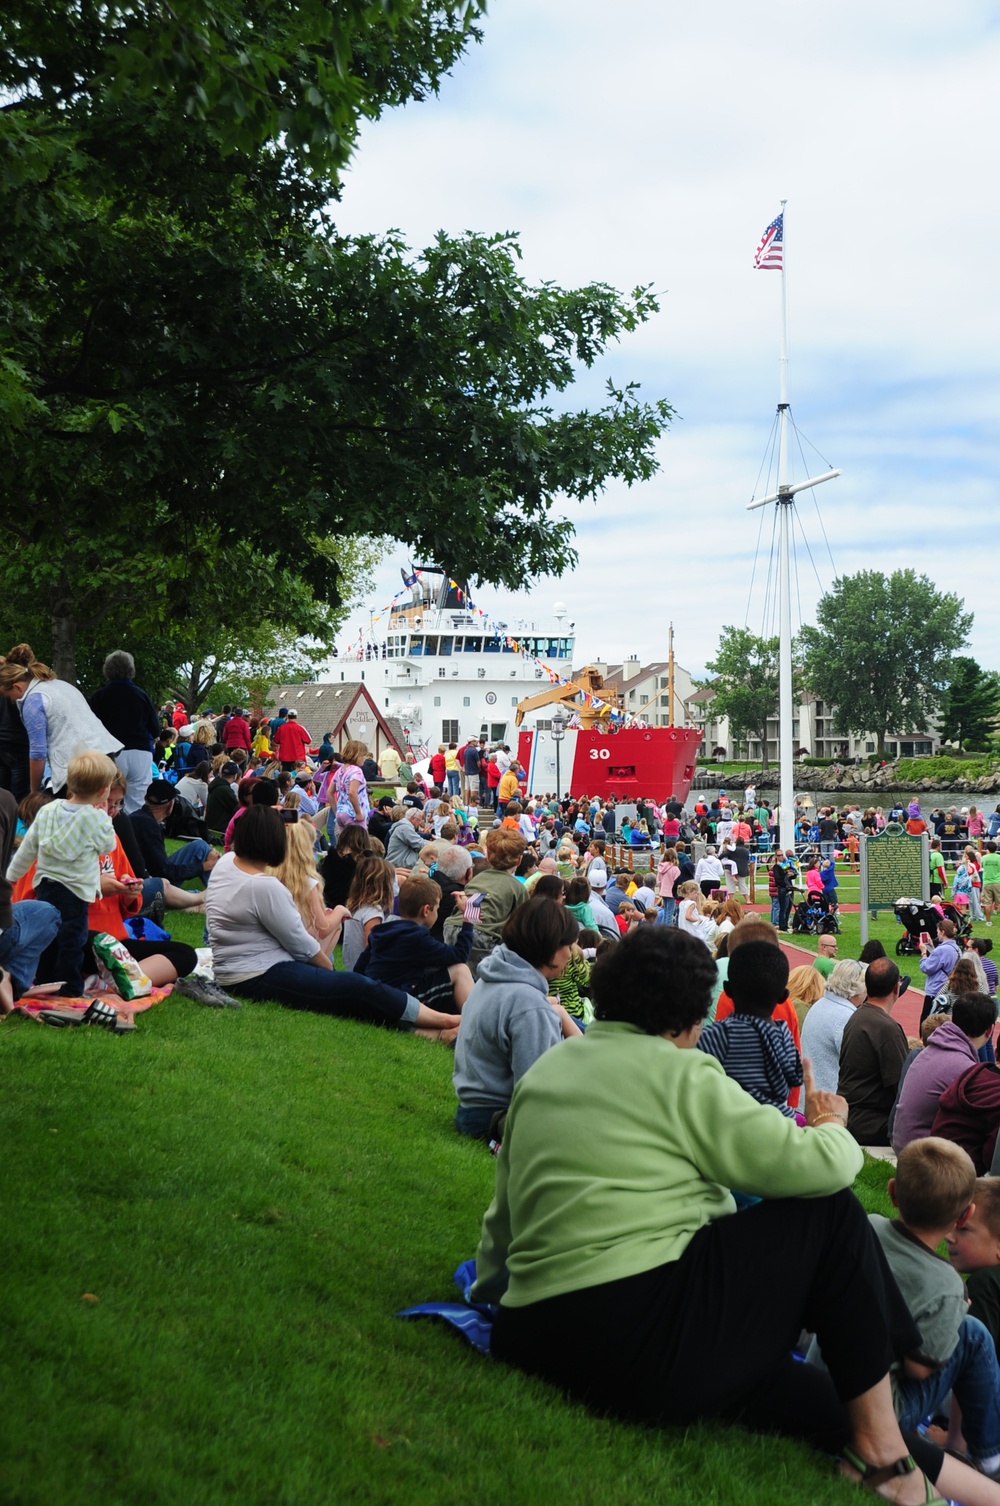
(768, 256)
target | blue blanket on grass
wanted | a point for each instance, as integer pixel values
(473, 1320)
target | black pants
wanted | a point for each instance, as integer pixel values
(71, 938)
(183, 957)
(710, 1335)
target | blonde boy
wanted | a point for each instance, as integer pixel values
(66, 842)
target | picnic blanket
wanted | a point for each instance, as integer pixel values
(31, 1004)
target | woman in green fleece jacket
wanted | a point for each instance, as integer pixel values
(625, 1275)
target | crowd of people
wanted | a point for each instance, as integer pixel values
(701, 1122)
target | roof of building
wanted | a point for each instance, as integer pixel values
(326, 707)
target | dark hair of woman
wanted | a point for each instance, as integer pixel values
(974, 1014)
(656, 978)
(259, 836)
(264, 792)
(527, 865)
(538, 929)
(981, 944)
(550, 886)
(871, 951)
(577, 891)
(203, 771)
(244, 789)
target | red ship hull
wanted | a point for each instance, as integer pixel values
(654, 762)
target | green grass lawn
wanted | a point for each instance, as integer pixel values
(885, 927)
(249, 1196)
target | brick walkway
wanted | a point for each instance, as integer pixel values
(908, 1005)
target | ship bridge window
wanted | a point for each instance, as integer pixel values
(491, 645)
(430, 645)
(472, 645)
(446, 644)
(416, 645)
(505, 648)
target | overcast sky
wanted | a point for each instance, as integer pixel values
(643, 142)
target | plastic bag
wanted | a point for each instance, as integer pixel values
(144, 928)
(118, 967)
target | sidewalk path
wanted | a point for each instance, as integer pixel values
(908, 1005)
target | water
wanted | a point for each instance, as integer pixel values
(927, 799)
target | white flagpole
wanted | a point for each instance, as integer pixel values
(786, 814)
(784, 497)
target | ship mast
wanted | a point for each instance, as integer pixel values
(670, 675)
(784, 500)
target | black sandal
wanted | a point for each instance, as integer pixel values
(98, 1013)
(874, 1475)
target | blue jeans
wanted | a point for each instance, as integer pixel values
(474, 1121)
(776, 909)
(299, 985)
(668, 909)
(826, 850)
(974, 1376)
(454, 782)
(22, 944)
(188, 862)
(71, 937)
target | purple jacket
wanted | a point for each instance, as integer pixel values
(948, 1054)
(937, 966)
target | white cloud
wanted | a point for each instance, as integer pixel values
(650, 143)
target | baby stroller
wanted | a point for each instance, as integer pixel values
(815, 917)
(917, 917)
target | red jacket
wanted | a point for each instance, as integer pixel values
(291, 742)
(437, 769)
(494, 774)
(237, 733)
(969, 1113)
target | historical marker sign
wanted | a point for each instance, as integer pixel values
(894, 866)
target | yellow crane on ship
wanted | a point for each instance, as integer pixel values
(589, 683)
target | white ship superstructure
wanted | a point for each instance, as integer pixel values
(448, 672)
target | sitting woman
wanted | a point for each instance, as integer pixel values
(509, 1019)
(262, 950)
(806, 984)
(622, 1275)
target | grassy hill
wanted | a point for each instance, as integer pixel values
(207, 1228)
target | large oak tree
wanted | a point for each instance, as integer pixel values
(194, 358)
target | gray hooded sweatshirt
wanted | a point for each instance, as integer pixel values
(507, 1023)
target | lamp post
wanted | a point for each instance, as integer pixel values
(559, 720)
